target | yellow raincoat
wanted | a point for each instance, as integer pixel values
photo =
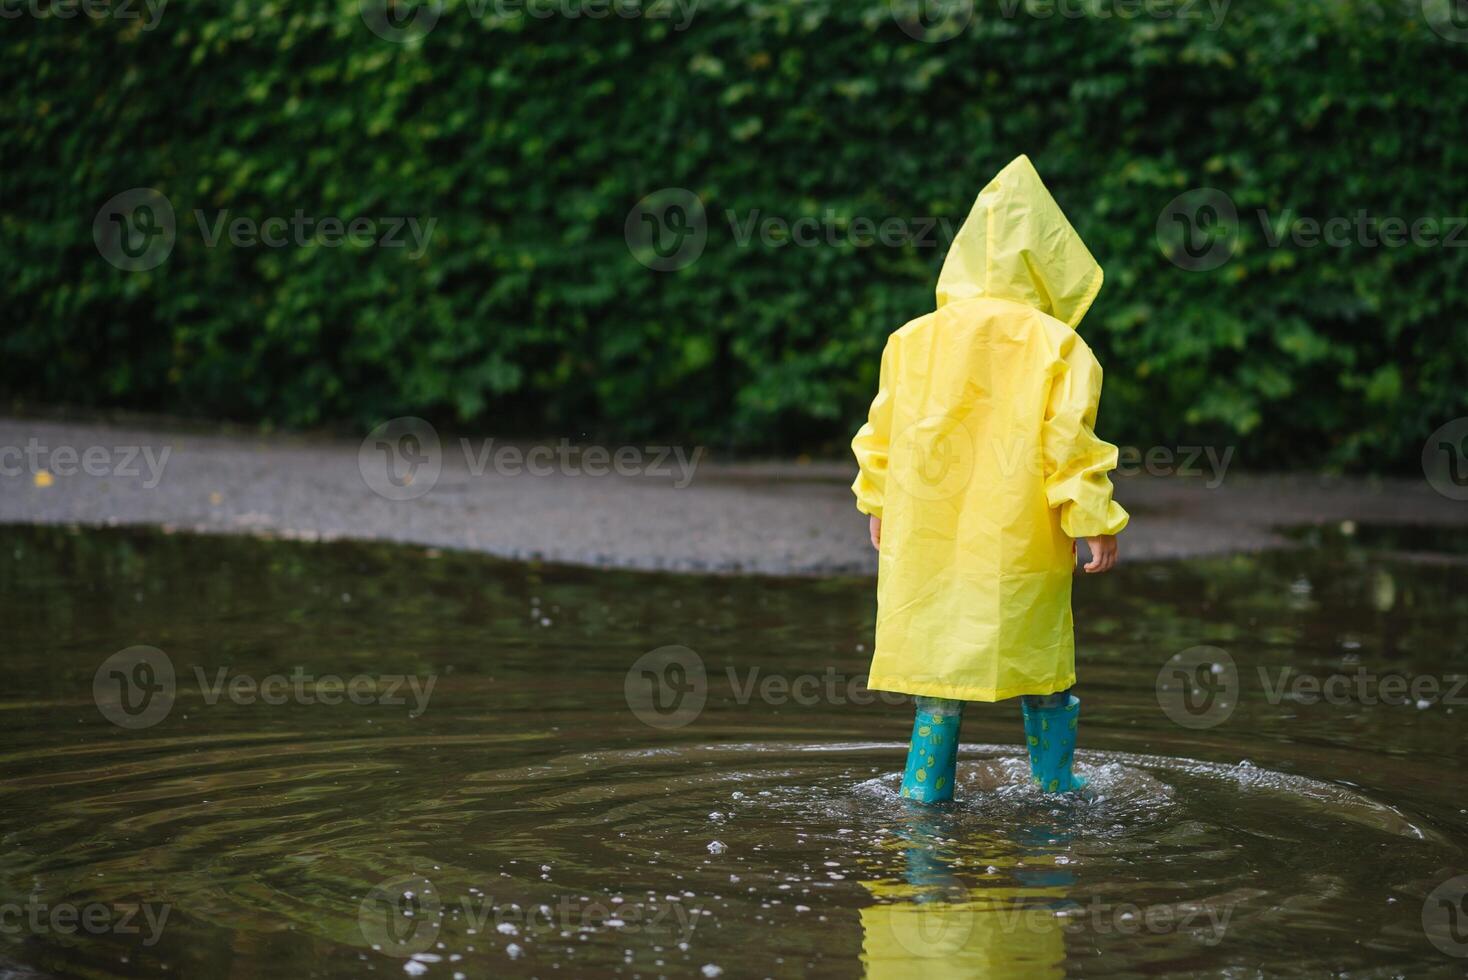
(980, 458)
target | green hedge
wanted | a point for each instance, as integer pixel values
(530, 139)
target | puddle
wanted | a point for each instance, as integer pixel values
(518, 817)
(1421, 542)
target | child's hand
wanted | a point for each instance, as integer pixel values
(875, 527)
(1103, 554)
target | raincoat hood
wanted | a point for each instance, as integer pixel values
(1017, 245)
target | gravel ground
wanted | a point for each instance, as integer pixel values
(774, 518)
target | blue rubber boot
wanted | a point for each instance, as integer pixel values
(1050, 735)
(933, 754)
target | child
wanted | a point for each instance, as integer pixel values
(979, 469)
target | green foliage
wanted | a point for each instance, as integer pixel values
(530, 139)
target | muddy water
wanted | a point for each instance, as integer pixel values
(543, 771)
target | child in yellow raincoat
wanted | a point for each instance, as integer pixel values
(979, 467)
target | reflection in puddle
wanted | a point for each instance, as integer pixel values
(527, 821)
(1418, 541)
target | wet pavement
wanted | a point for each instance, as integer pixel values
(651, 507)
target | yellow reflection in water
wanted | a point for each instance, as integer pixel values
(934, 926)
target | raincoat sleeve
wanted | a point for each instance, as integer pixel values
(874, 439)
(1076, 460)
